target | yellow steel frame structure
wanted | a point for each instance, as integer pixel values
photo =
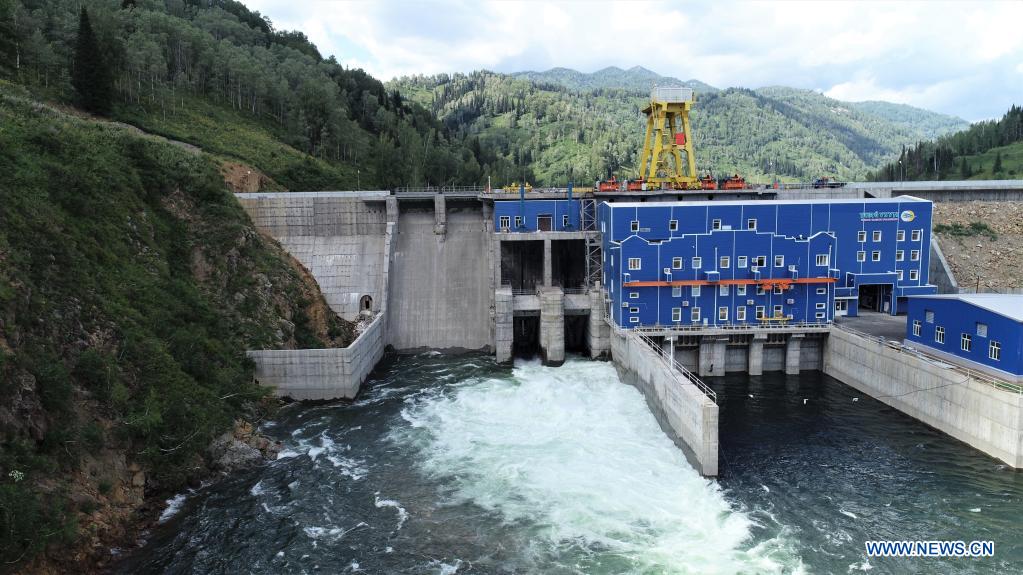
(664, 163)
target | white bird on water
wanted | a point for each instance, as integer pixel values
(805, 400)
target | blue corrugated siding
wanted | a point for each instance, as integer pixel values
(959, 317)
(796, 231)
(532, 209)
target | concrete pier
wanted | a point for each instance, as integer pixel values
(792, 353)
(599, 330)
(712, 356)
(684, 411)
(504, 325)
(552, 326)
(755, 361)
(440, 215)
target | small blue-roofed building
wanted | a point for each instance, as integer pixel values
(983, 331)
(536, 215)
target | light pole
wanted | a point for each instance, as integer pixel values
(358, 179)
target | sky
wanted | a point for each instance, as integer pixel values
(958, 58)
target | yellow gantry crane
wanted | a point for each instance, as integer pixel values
(668, 160)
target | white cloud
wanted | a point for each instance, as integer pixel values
(957, 58)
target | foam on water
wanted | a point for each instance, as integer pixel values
(577, 454)
(173, 507)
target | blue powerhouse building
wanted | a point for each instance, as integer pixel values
(982, 330)
(787, 261)
(536, 215)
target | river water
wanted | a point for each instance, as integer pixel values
(456, 465)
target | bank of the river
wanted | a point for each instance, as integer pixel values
(448, 465)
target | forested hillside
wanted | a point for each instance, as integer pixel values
(548, 123)
(990, 150)
(217, 75)
(636, 79)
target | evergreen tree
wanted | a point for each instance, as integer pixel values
(8, 47)
(90, 75)
(964, 169)
(997, 168)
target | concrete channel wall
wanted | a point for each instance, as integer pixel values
(685, 412)
(322, 374)
(977, 413)
(340, 237)
(441, 293)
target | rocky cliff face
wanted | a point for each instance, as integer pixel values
(983, 243)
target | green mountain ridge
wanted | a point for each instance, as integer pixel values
(554, 123)
(637, 78)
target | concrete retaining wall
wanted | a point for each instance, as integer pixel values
(440, 282)
(321, 374)
(939, 272)
(685, 413)
(338, 236)
(976, 413)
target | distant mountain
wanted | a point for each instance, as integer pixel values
(636, 79)
(547, 124)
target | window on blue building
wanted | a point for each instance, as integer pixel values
(898, 274)
(964, 342)
(696, 291)
(724, 262)
(518, 221)
(900, 235)
(564, 220)
(676, 314)
(779, 261)
(673, 225)
(760, 312)
(913, 275)
(760, 261)
(822, 291)
(861, 236)
(900, 255)
(676, 291)
(914, 256)
(877, 235)
(695, 314)
(861, 256)
(928, 316)
(634, 226)
(697, 262)
(939, 334)
(740, 313)
(981, 329)
(723, 290)
(778, 311)
(715, 224)
(822, 305)
(740, 262)
(633, 310)
(760, 290)
(916, 235)
(822, 259)
(994, 350)
(751, 224)
(633, 320)
(916, 327)
(505, 222)
(633, 295)
(676, 263)
(740, 290)
(777, 290)
(875, 256)
(635, 263)
(722, 314)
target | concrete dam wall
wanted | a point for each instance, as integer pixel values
(441, 293)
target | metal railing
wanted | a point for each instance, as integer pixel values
(677, 368)
(976, 375)
(439, 190)
(736, 327)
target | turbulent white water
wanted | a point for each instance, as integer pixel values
(576, 457)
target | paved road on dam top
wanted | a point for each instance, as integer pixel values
(457, 465)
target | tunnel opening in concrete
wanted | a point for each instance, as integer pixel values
(568, 263)
(576, 334)
(522, 264)
(526, 336)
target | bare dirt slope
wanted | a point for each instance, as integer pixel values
(973, 252)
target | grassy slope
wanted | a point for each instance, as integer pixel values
(983, 164)
(131, 281)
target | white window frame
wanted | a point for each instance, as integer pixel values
(676, 291)
(965, 342)
(822, 305)
(823, 259)
(915, 235)
(723, 290)
(633, 320)
(740, 262)
(740, 290)
(861, 236)
(759, 312)
(751, 224)
(504, 222)
(715, 224)
(939, 334)
(676, 262)
(672, 225)
(779, 261)
(761, 261)
(518, 222)
(697, 262)
(875, 256)
(724, 262)
(861, 256)
(900, 255)
(694, 315)
(633, 310)
(723, 313)
(695, 291)
(981, 329)
(898, 275)
(822, 291)
(761, 290)
(633, 295)
(778, 290)
(634, 226)
(778, 311)
(740, 313)
(914, 255)
(635, 264)
(900, 236)
(676, 314)
(564, 220)
(914, 275)
(929, 315)
(994, 350)
(916, 327)
(820, 315)
(876, 235)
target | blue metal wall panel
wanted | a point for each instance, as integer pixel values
(958, 317)
(557, 209)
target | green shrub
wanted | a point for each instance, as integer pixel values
(973, 229)
(30, 521)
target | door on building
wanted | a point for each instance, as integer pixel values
(545, 222)
(876, 297)
(841, 307)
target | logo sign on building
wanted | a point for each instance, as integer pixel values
(907, 215)
(879, 216)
